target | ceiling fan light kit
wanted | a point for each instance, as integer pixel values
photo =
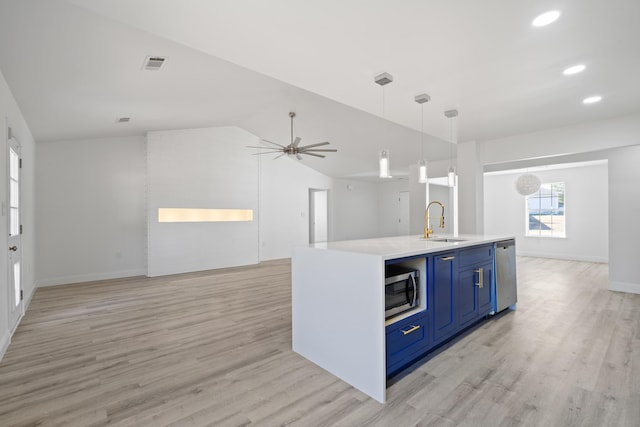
(294, 148)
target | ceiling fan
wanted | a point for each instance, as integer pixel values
(294, 149)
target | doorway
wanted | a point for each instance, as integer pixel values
(318, 215)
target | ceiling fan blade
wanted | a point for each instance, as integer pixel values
(316, 145)
(298, 156)
(261, 147)
(312, 154)
(274, 143)
(327, 150)
(267, 152)
(296, 141)
(277, 157)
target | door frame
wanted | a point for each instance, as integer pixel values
(15, 311)
(312, 212)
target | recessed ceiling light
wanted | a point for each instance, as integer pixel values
(574, 70)
(592, 99)
(546, 18)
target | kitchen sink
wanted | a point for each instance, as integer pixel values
(446, 239)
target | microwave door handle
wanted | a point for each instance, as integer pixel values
(415, 290)
(406, 294)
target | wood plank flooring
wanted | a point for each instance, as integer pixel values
(214, 348)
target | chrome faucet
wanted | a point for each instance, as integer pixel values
(427, 230)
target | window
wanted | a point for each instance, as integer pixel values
(545, 211)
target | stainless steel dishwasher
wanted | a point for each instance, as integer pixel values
(506, 292)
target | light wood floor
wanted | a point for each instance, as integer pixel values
(214, 348)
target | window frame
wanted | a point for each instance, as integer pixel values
(561, 206)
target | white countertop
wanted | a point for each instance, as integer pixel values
(404, 246)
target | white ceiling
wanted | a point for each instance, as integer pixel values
(75, 66)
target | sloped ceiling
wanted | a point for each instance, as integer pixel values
(75, 66)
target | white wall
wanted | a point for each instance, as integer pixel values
(105, 234)
(606, 135)
(442, 194)
(355, 209)
(11, 115)
(389, 206)
(584, 137)
(91, 210)
(624, 219)
(205, 169)
(470, 188)
(284, 204)
(586, 213)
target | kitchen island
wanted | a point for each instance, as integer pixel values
(338, 302)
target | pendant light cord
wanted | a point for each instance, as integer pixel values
(291, 115)
(422, 131)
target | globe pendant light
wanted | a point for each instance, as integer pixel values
(451, 173)
(527, 184)
(383, 154)
(422, 164)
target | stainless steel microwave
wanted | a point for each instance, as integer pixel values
(401, 290)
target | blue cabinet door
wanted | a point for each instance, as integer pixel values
(407, 340)
(444, 300)
(467, 298)
(484, 293)
(474, 294)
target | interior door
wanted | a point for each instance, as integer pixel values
(14, 240)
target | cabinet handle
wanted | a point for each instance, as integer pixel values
(480, 282)
(447, 258)
(411, 329)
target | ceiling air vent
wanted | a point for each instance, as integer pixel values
(153, 62)
(123, 119)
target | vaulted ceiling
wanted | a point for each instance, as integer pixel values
(75, 66)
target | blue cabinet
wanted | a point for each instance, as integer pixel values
(458, 284)
(407, 340)
(474, 284)
(443, 283)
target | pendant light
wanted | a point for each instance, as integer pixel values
(422, 164)
(383, 154)
(527, 184)
(451, 173)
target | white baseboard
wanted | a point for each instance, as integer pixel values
(28, 299)
(566, 257)
(55, 281)
(4, 344)
(631, 288)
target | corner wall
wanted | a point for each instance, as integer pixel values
(284, 204)
(91, 210)
(207, 168)
(624, 215)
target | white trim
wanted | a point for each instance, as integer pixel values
(631, 288)
(4, 344)
(566, 257)
(27, 300)
(65, 280)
